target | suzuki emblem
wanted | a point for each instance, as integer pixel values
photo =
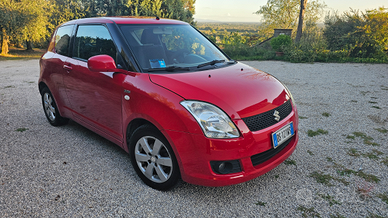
(276, 115)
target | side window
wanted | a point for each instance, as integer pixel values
(62, 39)
(93, 40)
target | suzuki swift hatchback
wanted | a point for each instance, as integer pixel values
(169, 97)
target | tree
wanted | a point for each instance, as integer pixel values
(36, 27)
(364, 35)
(14, 17)
(27, 21)
(283, 14)
(301, 17)
(61, 11)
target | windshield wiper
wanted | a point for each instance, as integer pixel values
(210, 63)
(169, 68)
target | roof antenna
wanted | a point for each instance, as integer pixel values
(157, 18)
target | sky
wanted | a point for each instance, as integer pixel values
(242, 10)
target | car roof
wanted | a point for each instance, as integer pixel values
(125, 20)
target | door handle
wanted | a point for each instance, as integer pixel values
(66, 67)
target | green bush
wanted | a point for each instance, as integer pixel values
(281, 42)
(245, 52)
(364, 35)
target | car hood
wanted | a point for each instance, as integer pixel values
(241, 91)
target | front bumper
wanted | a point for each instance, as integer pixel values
(194, 153)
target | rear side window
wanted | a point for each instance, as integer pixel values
(93, 40)
(62, 39)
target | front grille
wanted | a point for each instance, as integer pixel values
(266, 155)
(267, 119)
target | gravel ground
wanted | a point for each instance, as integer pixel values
(70, 171)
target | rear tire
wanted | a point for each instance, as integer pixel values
(153, 158)
(51, 110)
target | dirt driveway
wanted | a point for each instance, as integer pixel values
(340, 170)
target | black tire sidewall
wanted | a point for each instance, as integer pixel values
(148, 130)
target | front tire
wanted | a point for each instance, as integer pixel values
(51, 110)
(153, 158)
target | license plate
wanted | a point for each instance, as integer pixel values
(282, 134)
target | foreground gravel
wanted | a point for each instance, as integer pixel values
(70, 171)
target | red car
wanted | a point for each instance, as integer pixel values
(168, 96)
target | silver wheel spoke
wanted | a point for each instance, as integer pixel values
(164, 161)
(162, 175)
(144, 144)
(149, 171)
(142, 157)
(157, 146)
(52, 116)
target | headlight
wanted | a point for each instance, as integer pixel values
(213, 121)
(292, 98)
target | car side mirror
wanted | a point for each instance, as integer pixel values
(102, 63)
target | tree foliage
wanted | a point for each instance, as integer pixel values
(34, 20)
(23, 20)
(284, 14)
(364, 35)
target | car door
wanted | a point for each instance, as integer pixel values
(55, 61)
(95, 97)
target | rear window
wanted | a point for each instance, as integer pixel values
(62, 39)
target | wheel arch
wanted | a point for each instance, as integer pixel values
(138, 122)
(41, 86)
(133, 125)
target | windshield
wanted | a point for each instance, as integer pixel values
(171, 47)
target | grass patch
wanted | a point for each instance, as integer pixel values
(260, 203)
(364, 92)
(367, 142)
(367, 177)
(302, 117)
(360, 134)
(377, 107)
(308, 212)
(337, 215)
(373, 215)
(373, 155)
(330, 199)
(326, 178)
(290, 162)
(312, 133)
(372, 102)
(383, 197)
(342, 171)
(325, 114)
(310, 152)
(21, 129)
(385, 161)
(353, 152)
(382, 130)
(19, 53)
(367, 139)
(354, 101)
(329, 159)
(350, 137)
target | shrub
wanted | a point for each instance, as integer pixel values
(364, 35)
(280, 42)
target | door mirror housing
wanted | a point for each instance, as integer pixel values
(102, 63)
